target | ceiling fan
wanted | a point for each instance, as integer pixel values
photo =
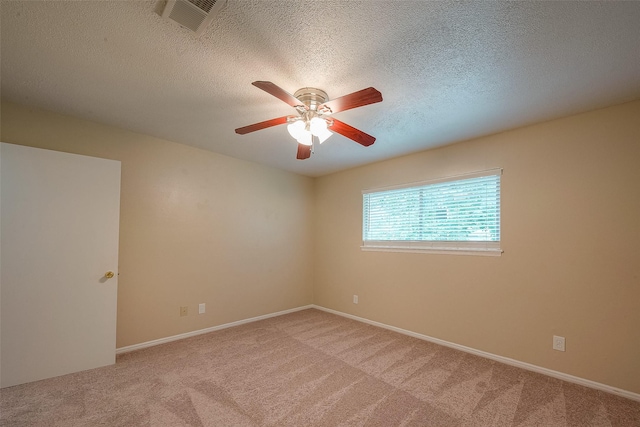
(314, 115)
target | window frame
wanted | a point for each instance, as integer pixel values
(465, 247)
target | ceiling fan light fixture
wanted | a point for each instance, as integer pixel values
(296, 129)
(324, 135)
(317, 125)
(306, 138)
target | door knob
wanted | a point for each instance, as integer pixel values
(108, 274)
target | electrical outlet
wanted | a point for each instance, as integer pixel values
(355, 299)
(558, 343)
(183, 311)
(201, 308)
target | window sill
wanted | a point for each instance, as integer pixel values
(434, 250)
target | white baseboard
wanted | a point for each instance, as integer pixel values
(206, 330)
(555, 374)
(529, 367)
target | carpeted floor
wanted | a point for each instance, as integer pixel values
(309, 368)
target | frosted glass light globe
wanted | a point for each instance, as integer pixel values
(296, 129)
(305, 138)
(317, 126)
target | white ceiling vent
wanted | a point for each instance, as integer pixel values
(194, 15)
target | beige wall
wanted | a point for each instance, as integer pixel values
(201, 227)
(195, 227)
(571, 240)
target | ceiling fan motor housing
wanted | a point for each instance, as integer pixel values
(311, 97)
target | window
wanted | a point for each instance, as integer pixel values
(450, 215)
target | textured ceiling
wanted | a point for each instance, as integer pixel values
(447, 71)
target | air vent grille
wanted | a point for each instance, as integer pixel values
(205, 5)
(194, 15)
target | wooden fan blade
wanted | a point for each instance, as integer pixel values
(304, 151)
(262, 125)
(279, 93)
(356, 99)
(352, 133)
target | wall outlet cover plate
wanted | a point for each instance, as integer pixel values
(558, 343)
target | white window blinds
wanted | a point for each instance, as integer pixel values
(451, 214)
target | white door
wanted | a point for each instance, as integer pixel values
(59, 216)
